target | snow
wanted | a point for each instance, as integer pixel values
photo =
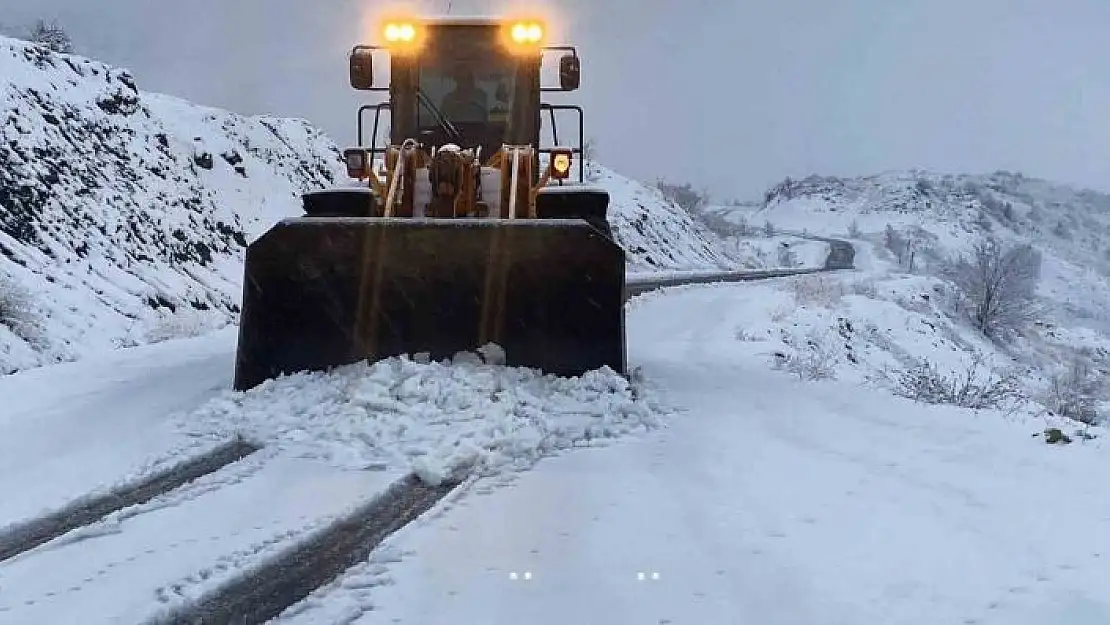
(657, 234)
(768, 499)
(433, 417)
(151, 558)
(739, 492)
(330, 442)
(950, 212)
(123, 212)
(944, 215)
(80, 428)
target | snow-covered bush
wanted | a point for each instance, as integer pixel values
(973, 389)
(1075, 393)
(813, 357)
(998, 286)
(51, 35)
(684, 195)
(865, 287)
(17, 313)
(817, 290)
(183, 324)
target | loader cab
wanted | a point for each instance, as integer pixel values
(475, 83)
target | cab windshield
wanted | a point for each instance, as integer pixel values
(467, 74)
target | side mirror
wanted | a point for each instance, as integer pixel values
(570, 72)
(362, 69)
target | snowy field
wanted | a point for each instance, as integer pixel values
(767, 500)
(717, 488)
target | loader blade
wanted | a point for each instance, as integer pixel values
(324, 292)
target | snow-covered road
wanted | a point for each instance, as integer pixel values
(76, 428)
(157, 556)
(766, 499)
(769, 501)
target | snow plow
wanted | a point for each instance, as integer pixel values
(460, 230)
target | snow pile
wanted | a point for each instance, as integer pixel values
(432, 417)
(124, 214)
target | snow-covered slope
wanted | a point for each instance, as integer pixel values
(657, 234)
(899, 312)
(124, 214)
(767, 500)
(947, 213)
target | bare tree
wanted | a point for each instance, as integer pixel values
(685, 195)
(894, 242)
(589, 150)
(51, 35)
(999, 286)
(1075, 392)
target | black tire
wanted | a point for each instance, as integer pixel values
(352, 202)
(590, 205)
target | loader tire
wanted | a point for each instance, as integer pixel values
(588, 204)
(340, 202)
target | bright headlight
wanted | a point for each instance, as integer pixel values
(400, 32)
(527, 33)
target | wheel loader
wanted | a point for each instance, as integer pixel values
(458, 231)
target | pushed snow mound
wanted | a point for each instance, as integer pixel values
(430, 417)
(123, 214)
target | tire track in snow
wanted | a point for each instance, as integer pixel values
(267, 590)
(22, 537)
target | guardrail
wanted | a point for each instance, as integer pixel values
(841, 257)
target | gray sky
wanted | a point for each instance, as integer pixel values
(730, 95)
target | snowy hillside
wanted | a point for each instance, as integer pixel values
(124, 214)
(945, 214)
(900, 311)
(657, 234)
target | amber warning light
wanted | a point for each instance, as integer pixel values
(560, 163)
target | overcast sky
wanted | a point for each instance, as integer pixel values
(732, 95)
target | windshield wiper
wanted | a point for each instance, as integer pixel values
(441, 119)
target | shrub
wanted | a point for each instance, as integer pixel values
(998, 286)
(926, 384)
